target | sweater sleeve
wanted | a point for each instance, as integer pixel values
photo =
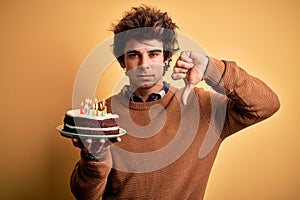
(248, 99)
(89, 178)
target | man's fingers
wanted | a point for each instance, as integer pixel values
(77, 143)
(185, 56)
(113, 140)
(88, 144)
(186, 92)
(180, 70)
(178, 76)
(183, 64)
(93, 145)
(182, 67)
(98, 145)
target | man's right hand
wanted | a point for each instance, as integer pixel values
(99, 147)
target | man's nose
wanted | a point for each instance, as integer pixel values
(144, 61)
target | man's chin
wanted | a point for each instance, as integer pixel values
(146, 85)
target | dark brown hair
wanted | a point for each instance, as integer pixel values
(145, 23)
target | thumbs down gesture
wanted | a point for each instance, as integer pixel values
(190, 66)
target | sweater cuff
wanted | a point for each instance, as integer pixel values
(95, 169)
(96, 157)
(93, 166)
(214, 72)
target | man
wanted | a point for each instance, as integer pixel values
(173, 135)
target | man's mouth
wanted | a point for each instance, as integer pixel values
(144, 76)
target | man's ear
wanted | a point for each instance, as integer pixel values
(166, 67)
(123, 65)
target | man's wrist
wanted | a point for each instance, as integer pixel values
(206, 66)
(214, 71)
(96, 157)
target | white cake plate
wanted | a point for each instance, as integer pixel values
(77, 135)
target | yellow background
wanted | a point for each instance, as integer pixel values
(43, 44)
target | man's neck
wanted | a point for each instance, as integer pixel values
(144, 93)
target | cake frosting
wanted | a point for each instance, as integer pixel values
(92, 119)
(77, 113)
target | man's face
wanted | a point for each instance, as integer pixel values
(144, 61)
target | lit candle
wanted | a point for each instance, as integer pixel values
(94, 110)
(88, 106)
(89, 110)
(104, 109)
(96, 103)
(85, 106)
(81, 109)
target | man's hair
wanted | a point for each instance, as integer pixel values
(145, 23)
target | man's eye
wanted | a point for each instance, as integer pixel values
(153, 54)
(132, 55)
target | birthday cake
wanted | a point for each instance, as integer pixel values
(91, 119)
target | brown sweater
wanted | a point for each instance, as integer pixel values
(169, 148)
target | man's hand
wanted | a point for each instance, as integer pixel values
(99, 147)
(190, 66)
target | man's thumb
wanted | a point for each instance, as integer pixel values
(188, 88)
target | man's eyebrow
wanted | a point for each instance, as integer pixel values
(150, 51)
(131, 51)
(155, 51)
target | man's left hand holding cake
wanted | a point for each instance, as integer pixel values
(92, 119)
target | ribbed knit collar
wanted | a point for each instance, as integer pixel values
(164, 101)
(153, 97)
